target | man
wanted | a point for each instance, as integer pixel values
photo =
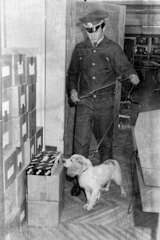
(95, 63)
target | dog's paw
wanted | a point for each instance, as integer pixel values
(123, 194)
(106, 189)
(98, 197)
(85, 206)
(89, 207)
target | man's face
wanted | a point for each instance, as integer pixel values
(95, 35)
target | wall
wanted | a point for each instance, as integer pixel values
(23, 24)
(55, 72)
(38, 27)
(142, 16)
(143, 19)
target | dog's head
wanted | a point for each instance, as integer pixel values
(76, 164)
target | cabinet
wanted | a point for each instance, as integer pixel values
(155, 49)
(142, 48)
(143, 51)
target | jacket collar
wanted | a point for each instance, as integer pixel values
(104, 40)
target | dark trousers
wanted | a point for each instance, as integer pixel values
(94, 114)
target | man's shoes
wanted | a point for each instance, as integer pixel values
(76, 190)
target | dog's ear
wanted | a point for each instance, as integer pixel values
(85, 162)
(75, 169)
(81, 163)
(78, 164)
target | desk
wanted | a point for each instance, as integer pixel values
(146, 138)
(150, 197)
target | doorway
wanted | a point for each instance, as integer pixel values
(115, 28)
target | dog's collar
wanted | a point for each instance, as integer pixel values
(85, 170)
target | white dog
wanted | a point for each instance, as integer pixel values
(94, 178)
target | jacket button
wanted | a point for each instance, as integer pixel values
(93, 64)
(93, 77)
(94, 50)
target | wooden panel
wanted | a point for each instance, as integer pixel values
(117, 101)
(150, 196)
(147, 134)
(70, 43)
(148, 138)
(115, 25)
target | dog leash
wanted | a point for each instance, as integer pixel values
(96, 90)
(101, 88)
(97, 148)
(129, 93)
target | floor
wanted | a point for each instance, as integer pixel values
(113, 218)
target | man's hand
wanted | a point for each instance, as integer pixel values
(74, 96)
(134, 79)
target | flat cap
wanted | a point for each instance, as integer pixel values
(94, 18)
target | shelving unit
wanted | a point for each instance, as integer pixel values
(143, 51)
(143, 48)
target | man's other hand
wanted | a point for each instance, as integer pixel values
(134, 79)
(74, 96)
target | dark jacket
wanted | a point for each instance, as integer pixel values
(91, 68)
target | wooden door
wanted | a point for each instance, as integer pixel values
(115, 27)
